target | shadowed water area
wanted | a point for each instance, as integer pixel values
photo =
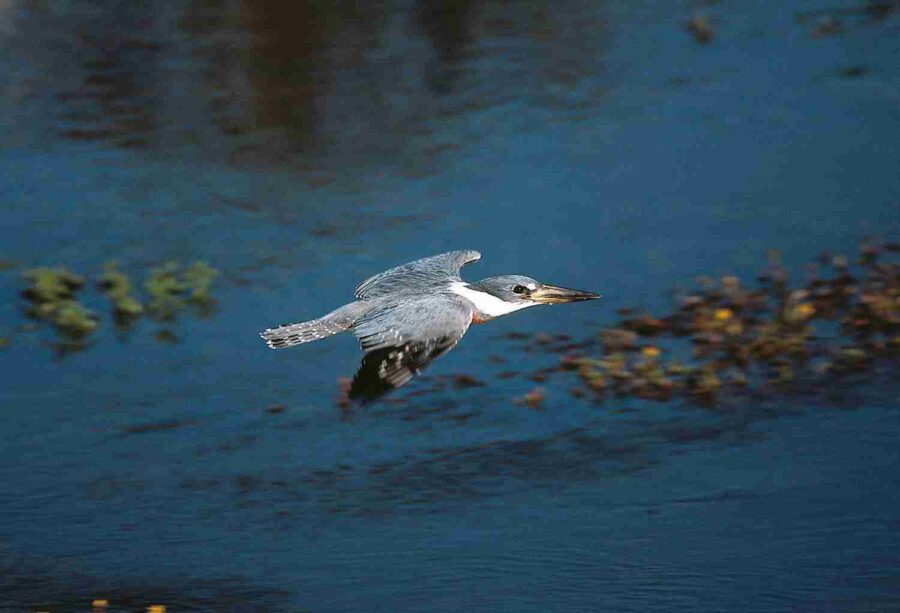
(618, 147)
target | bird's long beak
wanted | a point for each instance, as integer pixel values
(550, 294)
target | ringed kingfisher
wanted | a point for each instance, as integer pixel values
(407, 316)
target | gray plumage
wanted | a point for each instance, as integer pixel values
(405, 338)
(339, 320)
(375, 306)
(418, 276)
(409, 315)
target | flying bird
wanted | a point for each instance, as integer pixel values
(407, 316)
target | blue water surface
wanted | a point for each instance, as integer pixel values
(301, 147)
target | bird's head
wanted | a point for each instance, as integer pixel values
(518, 292)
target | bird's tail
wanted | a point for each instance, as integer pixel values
(288, 335)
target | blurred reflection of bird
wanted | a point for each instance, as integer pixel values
(407, 316)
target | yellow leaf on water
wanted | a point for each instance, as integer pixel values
(723, 314)
(650, 352)
(804, 310)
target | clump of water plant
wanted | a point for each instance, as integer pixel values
(701, 28)
(51, 296)
(165, 289)
(723, 338)
(170, 287)
(198, 278)
(50, 285)
(117, 287)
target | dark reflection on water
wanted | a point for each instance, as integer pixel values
(308, 84)
(116, 100)
(448, 25)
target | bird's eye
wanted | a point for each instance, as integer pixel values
(520, 289)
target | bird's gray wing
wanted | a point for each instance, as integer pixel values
(402, 339)
(417, 276)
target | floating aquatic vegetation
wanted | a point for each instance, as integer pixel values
(74, 319)
(170, 288)
(700, 28)
(50, 285)
(465, 381)
(166, 336)
(51, 295)
(853, 72)
(165, 288)
(826, 26)
(4, 342)
(725, 339)
(533, 399)
(117, 287)
(829, 18)
(198, 278)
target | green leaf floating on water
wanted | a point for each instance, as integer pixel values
(72, 318)
(170, 288)
(50, 285)
(198, 277)
(165, 289)
(117, 287)
(52, 296)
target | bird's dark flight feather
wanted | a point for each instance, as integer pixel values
(387, 368)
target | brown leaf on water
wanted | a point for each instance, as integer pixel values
(532, 399)
(343, 398)
(465, 381)
(700, 28)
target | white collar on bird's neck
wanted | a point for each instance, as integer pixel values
(485, 303)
